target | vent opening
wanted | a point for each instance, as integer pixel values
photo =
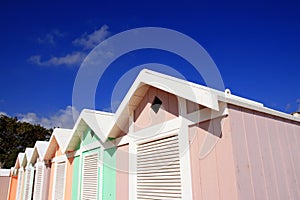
(156, 104)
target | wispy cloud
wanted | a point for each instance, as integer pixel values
(89, 41)
(69, 59)
(49, 38)
(86, 42)
(63, 118)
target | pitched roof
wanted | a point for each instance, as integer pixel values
(60, 137)
(19, 160)
(99, 122)
(28, 154)
(39, 150)
(196, 93)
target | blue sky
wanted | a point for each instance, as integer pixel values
(255, 45)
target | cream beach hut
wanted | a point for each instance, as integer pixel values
(54, 154)
(42, 171)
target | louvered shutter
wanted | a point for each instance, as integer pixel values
(38, 182)
(27, 193)
(45, 181)
(60, 181)
(19, 189)
(158, 169)
(90, 177)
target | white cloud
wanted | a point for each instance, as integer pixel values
(86, 42)
(49, 38)
(63, 118)
(89, 41)
(70, 59)
(4, 113)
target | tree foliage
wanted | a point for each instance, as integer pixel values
(16, 136)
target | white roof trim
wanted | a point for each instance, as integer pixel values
(20, 159)
(62, 137)
(99, 122)
(40, 148)
(28, 154)
(4, 172)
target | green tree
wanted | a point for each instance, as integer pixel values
(16, 136)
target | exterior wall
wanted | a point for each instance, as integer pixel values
(212, 173)
(51, 180)
(109, 174)
(266, 155)
(58, 152)
(13, 188)
(75, 186)
(122, 173)
(144, 116)
(68, 187)
(4, 185)
(76, 178)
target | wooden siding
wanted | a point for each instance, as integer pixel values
(144, 116)
(266, 155)
(13, 188)
(122, 170)
(4, 186)
(213, 175)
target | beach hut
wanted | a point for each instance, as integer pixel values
(86, 149)
(28, 175)
(4, 183)
(20, 167)
(12, 191)
(42, 171)
(187, 141)
(54, 154)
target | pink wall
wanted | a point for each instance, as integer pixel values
(144, 116)
(122, 178)
(266, 153)
(213, 176)
(4, 185)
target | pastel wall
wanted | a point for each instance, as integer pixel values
(109, 174)
(144, 116)
(213, 173)
(266, 152)
(76, 178)
(13, 188)
(4, 186)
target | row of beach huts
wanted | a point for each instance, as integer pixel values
(169, 139)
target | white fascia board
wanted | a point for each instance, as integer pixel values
(181, 88)
(28, 154)
(41, 147)
(99, 122)
(4, 172)
(62, 137)
(19, 159)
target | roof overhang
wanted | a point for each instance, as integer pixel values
(59, 137)
(99, 122)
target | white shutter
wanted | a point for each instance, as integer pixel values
(19, 189)
(60, 181)
(38, 182)
(90, 177)
(158, 169)
(27, 193)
